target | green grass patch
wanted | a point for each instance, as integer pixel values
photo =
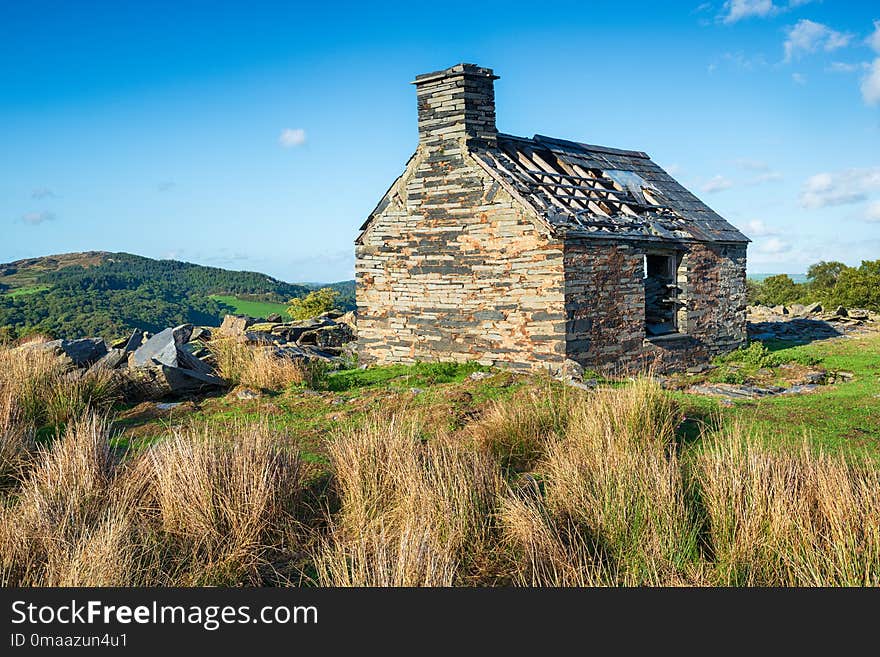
(842, 417)
(258, 309)
(26, 291)
(415, 376)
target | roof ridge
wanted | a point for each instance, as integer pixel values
(591, 147)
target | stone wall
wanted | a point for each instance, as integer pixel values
(453, 269)
(604, 300)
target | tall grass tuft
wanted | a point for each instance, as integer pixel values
(219, 496)
(787, 516)
(412, 512)
(49, 533)
(614, 497)
(261, 367)
(516, 431)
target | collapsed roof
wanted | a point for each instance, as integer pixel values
(595, 191)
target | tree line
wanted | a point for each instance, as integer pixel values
(830, 283)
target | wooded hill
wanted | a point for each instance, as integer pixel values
(107, 294)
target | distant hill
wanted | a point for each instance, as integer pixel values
(107, 294)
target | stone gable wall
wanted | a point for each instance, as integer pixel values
(453, 269)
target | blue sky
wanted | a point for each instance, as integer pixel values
(259, 135)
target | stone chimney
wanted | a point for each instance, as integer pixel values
(457, 103)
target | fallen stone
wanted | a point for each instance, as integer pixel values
(155, 382)
(111, 360)
(246, 394)
(588, 384)
(167, 406)
(815, 378)
(164, 347)
(349, 318)
(840, 311)
(733, 391)
(797, 309)
(699, 369)
(274, 317)
(857, 313)
(333, 335)
(235, 324)
(479, 376)
(813, 308)
(800, 388)
(73, 353)
(779, 310)
(201, 333)
(571, 370)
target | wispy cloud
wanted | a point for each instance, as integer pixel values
(757, 228)
(772, 246)
(734, 11)
(870, 86)
(737, 10)
(37, 218)
(751, 165)
(165, 186)
(807, 36)
(799, 78)
(873, 41)
(842, 67)
(717, 184)
(41, 193)
(872, 214)
(840, 188)
(291, 137)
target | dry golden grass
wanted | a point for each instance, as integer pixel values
(516, 431)
(413, 512)
(218, 495)
(45, 392)
(260, 367)
(556, 489)
(790, 517)
(614, 508)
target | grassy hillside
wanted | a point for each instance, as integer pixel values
(252, 308)
(108, 294)
(441, 474)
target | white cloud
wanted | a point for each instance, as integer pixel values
(36, 218)
(872, 215)
(799, 78)
(751, 165)
(717, 184)
(41, 193)
(840, 188)
(841, 67)
(770, 176)
(871, 84)
(807, 36)
(772, 246)
(874, 40)
(736, 10)
(291, 137)
(757, 228)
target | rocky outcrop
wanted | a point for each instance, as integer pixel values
(73, 353)
(807, 322)
(331, 336)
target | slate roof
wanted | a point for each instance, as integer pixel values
(595, 191)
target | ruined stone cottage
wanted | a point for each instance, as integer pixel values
(525, 252)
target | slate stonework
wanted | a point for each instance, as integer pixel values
(452, 265)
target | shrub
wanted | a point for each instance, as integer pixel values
(313, 304)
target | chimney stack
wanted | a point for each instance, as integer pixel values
(457, 103)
